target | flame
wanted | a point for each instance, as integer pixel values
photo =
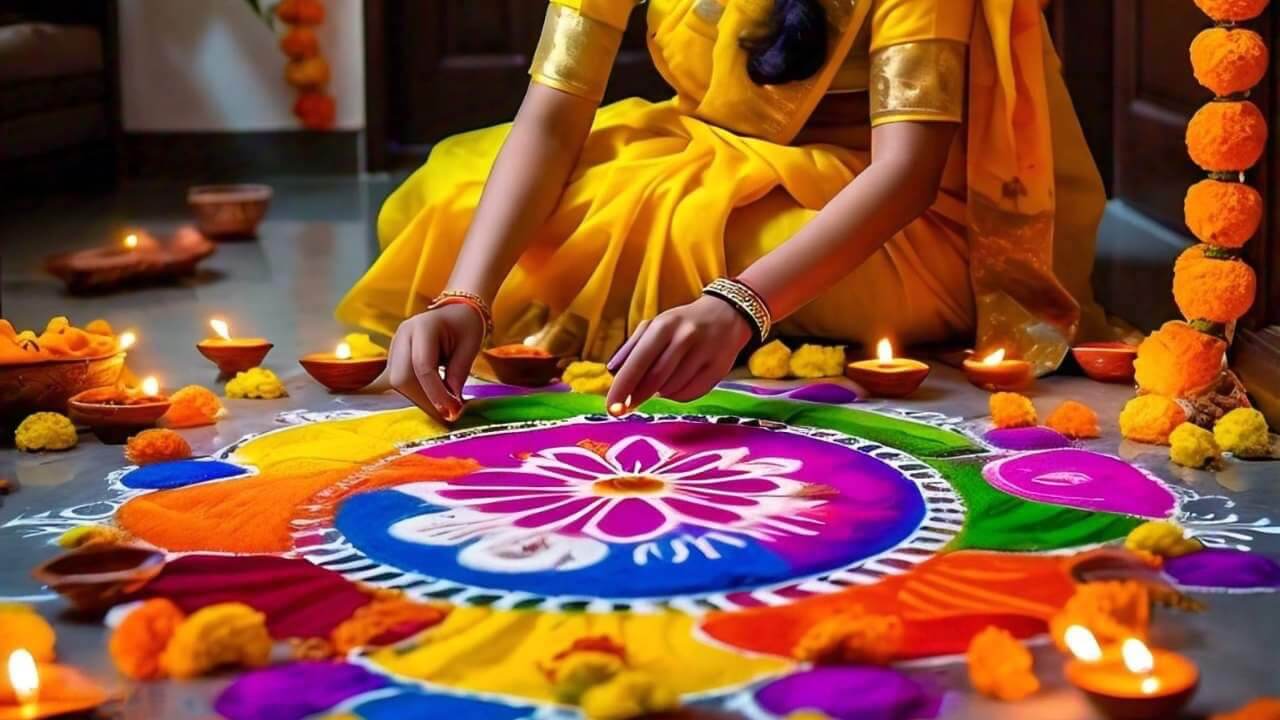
(24, 677)
(1150, 685)
(151, 386)
(221, 328)
(531, 340)
(884, 351)
(1137, 657)
(994, 358)
(1082, 643)
(343, 352)
(130, 241)
(127, 339)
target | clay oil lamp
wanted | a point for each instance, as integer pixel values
(523, 364)
(340, 372)
(887, 376)
(98, 577)
(115, 413)
(997, 373)
(1109, 362)
(137, 259)
(232, 355)
(46, 690)
(1136, 683)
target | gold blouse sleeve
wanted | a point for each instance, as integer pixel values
(920, 81)
(576, 52)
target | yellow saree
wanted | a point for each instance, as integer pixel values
(668, 196)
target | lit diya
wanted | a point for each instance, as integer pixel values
(523, 364)
(887, 376)
(136, 259)
(46, 690)
(997, 373)
(232, 355)
(115, 413)
(342, 373)
(1135, 684)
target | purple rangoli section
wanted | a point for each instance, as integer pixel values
(295, 691)
(1025, 439)
(851, 693)
(1225, 569)
(824, 393)
(482, 391)
(1081, 479)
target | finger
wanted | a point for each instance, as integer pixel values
(459, 367)
(620, 357)
(702, 383)
(402, 376)
(426, 368)
(689, 368)
(678, 352)
(641, 358)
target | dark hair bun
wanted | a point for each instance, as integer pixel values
(795, 48)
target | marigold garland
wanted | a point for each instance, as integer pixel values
(1223, 214)
(307, 70)
(1227, 136)
(1229, 61)
(1214, 289)
(1232, 11)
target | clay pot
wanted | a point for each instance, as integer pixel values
(49, 384)
(152, 262)
(1110, 362)
(904, 377)
(94, 579)
(343, 376)
(234, 356)
(523, 370)
(112, 419)
(229, 211)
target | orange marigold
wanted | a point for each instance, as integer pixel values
(1232, 10)
(1011, 410)
(156, 445)
(1150, 419)
(851, 637)
(308, 73)
(141, 638)
(316, 110)
(1075, 420)
(193, 406)
(301, 12)
(1177, 360)
(1205, 288)
(1000, 666)
(299, 43)
(1227, 136)
(379, 617)
(1223, 214)
(1229, 61)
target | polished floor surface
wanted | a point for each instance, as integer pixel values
(283, 287)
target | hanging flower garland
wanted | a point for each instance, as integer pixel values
(1183, 362)
(307, 71)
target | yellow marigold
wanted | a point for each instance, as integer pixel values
(46, 431)
(217, 636)
(1267, 708)
(362, 346)
(588, 378)
(1111, 610)
(1000, 667)
(1223, 214)
(256, 383)
(851, 637)
(1075, 420)
(374, 620)
(771, 361)
(1229, 61)
(1232, 10)
(90, 535)
(138, 643)
(1192, 446)
(1243, 432)
(578, 672)
(1205, 288)
(193, 406)
(817, 361)
(1150, 419)
(156, 445)
(1178, 360)
(100, 327)
(629, 694)
(23, 627)
(1227, 136)
(1162, 538)
(1011, 410)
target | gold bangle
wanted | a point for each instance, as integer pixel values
(471, 300)
(746, 301)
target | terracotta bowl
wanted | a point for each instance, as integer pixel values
(229, 211)
(343, 376)
(1160, 707)
(112, 423)
(48, 385)
(94, 579)
(104, 269)
(524, 370)
(897, 384)
(1110, 362)
(232, 359)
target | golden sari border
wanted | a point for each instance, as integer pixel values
(575, 53)
(918, 81)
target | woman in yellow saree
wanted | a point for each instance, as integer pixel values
(848, 169)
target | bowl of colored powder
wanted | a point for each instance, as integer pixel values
(524, 365)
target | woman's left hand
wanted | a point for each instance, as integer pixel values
(680, 355)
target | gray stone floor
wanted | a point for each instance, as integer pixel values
(315, 244)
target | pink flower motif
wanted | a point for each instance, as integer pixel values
(637, 491)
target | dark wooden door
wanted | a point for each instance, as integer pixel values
(457, 65)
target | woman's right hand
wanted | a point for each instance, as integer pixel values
(449, 337)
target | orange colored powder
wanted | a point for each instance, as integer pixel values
(527, 351)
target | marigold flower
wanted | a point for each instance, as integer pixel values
(1243, 432)
(1192, 446)
(90, 535)
(590, 378)
(156, 445)
(817, 361)
(1151, 419)
(771, 361)
(371, 622)
(300, 42)
(1229, 61)
(1011, 410)
(99, 327)
(217, 636)
(1223, 214)
(1075, 420)
(1000, 666)
(1112, 610)
(193, 406)
(629, 694)
(851, 637)
(300, 12)
(258, 383)
(45, 431)
(1227, 136)
(1232, 10)
(22, 627)
(1178, 360)
(1162, 538)
(308, 73)
(316, 109)
(1218, 290)
(140, 640)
